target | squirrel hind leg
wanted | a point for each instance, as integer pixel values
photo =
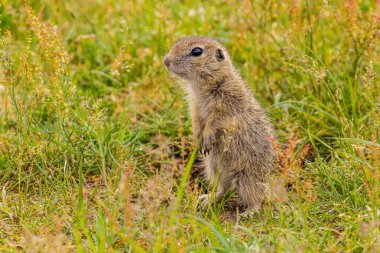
(252, 194)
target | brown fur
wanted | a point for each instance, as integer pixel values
(232, 128)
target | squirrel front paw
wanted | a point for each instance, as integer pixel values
(206, 144)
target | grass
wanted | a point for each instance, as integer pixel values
(96, 146)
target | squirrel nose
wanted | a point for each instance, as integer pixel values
(166, 61)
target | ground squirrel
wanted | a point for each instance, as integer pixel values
(229, 124)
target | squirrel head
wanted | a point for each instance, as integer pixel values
(198, 59)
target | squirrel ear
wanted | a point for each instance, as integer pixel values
(219, 54)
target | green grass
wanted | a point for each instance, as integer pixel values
(96, 146)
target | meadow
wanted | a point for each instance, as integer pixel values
(96, 145)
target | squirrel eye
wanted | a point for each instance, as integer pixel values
(197, 51)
